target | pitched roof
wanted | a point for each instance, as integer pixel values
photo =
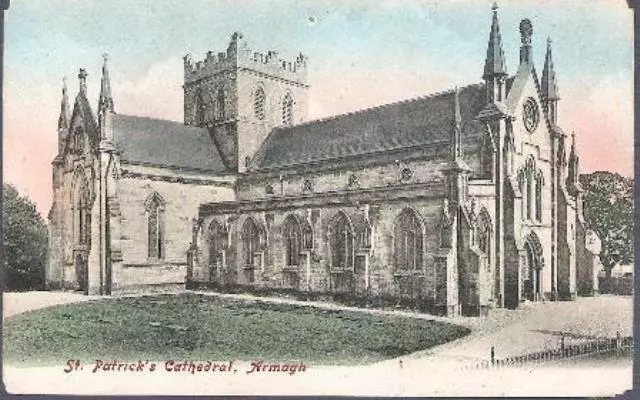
(82, 110)
(410, 123)
(165, 143)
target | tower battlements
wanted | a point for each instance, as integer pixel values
(239, 55)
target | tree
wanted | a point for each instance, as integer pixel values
(25, 241)
(608, 210)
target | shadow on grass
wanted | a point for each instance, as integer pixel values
(197, 327)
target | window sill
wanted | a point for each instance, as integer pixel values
(404, 274)
(80, 247)
(341, 271)
(156, 263)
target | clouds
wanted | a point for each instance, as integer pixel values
(157, 94)
(360, 53)
(600, 111)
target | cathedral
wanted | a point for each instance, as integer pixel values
(458, 201)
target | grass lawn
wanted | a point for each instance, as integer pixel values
(196, 327)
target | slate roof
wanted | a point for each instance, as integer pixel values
(165, 143)
(410, 123)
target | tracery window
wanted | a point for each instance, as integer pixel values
(82, 215)
(406, 174)
(538, 197)
(483, 233)
(354, 182)
(307, 186)
(258, 103)
(307, 236)
(365, 237)
(200, 108)
(251, 241)
(530, 203)
(408, 245)
(287, 110)
(78, 140)
(292, 240)
(217, 240)
(220, 104)
(155, 226)
(268, 189)
(341, 242)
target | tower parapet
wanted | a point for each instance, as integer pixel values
(239, 55)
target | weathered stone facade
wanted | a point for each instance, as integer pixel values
(459, 201)
(107, 184)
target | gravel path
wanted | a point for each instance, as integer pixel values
(428, 373)
(20, 302)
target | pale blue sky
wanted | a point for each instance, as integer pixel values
(361, 53)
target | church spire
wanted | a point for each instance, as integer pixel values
(82, 78)
(105, 103)
(494, 64)
(457, 129)
(574, 174)
(63, 120)
(495, 68)
(549, 86)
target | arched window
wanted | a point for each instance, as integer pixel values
(483, 232)
(258, 103)
(217, 240)
(220, 104)
(530, 203)
(307, 236)
(78, 140)
(539, 197)
(199, 108)
(154, 206)
(522, 184)
(251, 243)
(81, 214)
(365, 238)
(341, 242)
(82, 219)
(408, 242)
(287, 110)
(292, 241)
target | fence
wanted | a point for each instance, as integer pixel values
(591, 347)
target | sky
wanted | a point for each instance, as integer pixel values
(361, 54)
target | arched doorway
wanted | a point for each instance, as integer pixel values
(532, 273)
(81, 272)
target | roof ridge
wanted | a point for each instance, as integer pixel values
(157, 119)
(380, 106)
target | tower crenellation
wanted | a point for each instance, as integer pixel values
(241, 94)
(239, 55)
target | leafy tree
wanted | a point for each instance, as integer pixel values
(25, 240)
(608, 209)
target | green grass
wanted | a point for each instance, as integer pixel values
(197, 327)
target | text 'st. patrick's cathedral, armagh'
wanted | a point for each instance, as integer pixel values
(459, 201)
